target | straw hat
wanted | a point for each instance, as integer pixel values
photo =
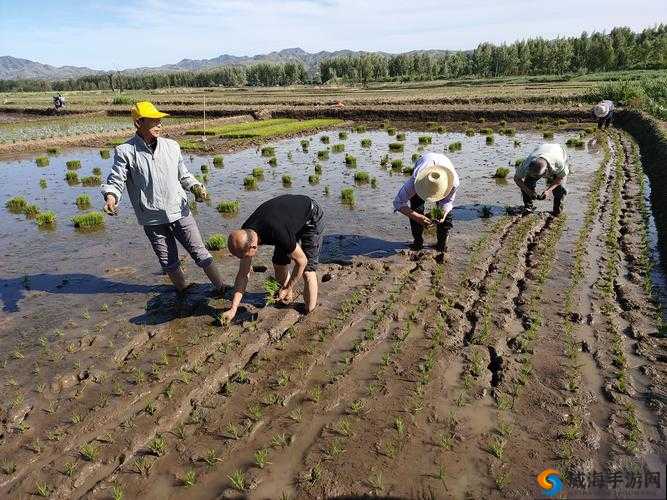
(601, 110)
(435, 182)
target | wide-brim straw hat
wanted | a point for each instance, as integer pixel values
(435, 182)
(600, 110)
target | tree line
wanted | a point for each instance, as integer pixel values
(620, 49)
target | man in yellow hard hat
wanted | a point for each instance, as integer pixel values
(152, 169)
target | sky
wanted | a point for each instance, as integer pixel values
(121, 34)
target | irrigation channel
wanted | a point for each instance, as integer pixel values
(535, 344)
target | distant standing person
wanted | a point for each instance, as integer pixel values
(604, 112)
(152, 169)
(294, 226)
(548, 161)
(434, 179)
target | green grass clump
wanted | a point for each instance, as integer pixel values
(16, 204)
(216, 242)
(548, 134)
(396, 147)
(97, 171)
(122, 99)
(304, 145)
(272, 128)
(287, 180)
(228, 207)
(359, 129)
(342, 135)
(52, 151)
(31, 211)
(350, 161)
(508, 131)
(325, 139)
(384, 161)
(250, 182)
(91, 180)
(415, 157)
(455, 146)
(408, 170)
(517, 143)
(338, 148)
(323, 154)
(391, 130)
(518, 162)
(105, 154)
(42, 183)
(397, 165)
(318, 168)
(204, 168)
(486, 131)
(366, 143)
(470, 132)
(42, 161)
(73, 164)
(425, 139)
(88, 220)
(47, 218)
(313, 179)
(489, 139)
(361, 177)
(268, 151)
(273, 161)
(347, 196)
(436, 213)
(501, 173)
(575, 142)
(218, 161)
(258, 173)
(83, 201)
(400, 136)
(374, 182)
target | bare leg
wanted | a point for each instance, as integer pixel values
(177, 278)
(213, 274)
(310, 290)
(282, 274)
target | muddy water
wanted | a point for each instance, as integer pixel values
(48, 273)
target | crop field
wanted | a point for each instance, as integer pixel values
(537, 343)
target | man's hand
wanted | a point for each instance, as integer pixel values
(542, 196)
(285, 295)
(111, 207)
(228, 316)
(422, 219)
(200, 193)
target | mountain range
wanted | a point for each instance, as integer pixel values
(12, 68)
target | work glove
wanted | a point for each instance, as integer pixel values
(200, 193)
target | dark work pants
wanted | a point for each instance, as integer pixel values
(605, 121)
(417, 204)
(559, 193)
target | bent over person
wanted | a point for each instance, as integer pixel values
(152, 169)
(548, 161)
(434, 179)
(294, 225)
(604, 112)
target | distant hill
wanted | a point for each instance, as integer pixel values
(12, 68)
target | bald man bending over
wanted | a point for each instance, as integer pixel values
(294, 225)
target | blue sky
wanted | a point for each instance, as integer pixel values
(127, 33)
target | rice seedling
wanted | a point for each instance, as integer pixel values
(189, 478)
(347, 196)
(90, 452)
(143, 465)
(408, 170)
(350, 161)
(8, 468)
(52, 151)
(323, 154)
(91, 180)
(218, 161)
(305, 143)
(360, 129)
(384, 161)
(238, 480)
(88, 220)
(485, 131)
(204, 169)
(211, 458)
(508, 131)
(366, 143)
(501, 173)
(324, 139)
(327, 191)
(575, 142)
(262, 458)
(31, 211)
(47, 218)
(400, 136)
(342, 135)
(548, 134)
(437, 213)
(250, 182)
(391, 130)
(287, 180)
(318, 169)
(517, 143)
(415, 157)
(117, 492)
(338, 148)
(105, 154)
(361, 177)
(425, 139)
(216, 242)
(489, 140)
(396, 147)
(42, 490)
(42, 161)
(313, 179)
(158, 445)
(228, 207)
(268, 151)
(455, 146)
(72, 178)
(258, 173)
(69, 468)
(16, 204)
(497, 447)
(42, 183)
(73, 164)
(273, 161)
(397, 165)
(374, 182)
(97, 171)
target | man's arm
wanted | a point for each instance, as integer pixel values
(113, 189)
(240, 284)
(522, 185)
(300, 262)
(557, 182)
(186, 179)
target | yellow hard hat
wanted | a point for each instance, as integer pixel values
(146, 109)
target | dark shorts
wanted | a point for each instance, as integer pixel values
(310, 238)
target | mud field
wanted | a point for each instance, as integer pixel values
(536, 343)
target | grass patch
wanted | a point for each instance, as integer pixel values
(391, 130)
(318, 168)
(325, 139)
(415, 157)
(275, 129)
(42, 161)
(216, 242)
(273, 161)
(305, 143)
(97, 171)
(397, 165)
(16, 204)
(408, 170)
(350, 161)
(575, 142)
(122, 99)
(347, 196)
(425, 139)
(258, 173)
(486, 131)
(396, 147)
(268, 151)
(455, 146)
(218, 161)
(366, 143)
(189, 144)
(338, 148)
(250, 182)
(361, 177)
(83, 201)
(47, 218)
(400, 136)
(489, 139)
(73, 164)
(287, 180)
(52, 151)
(91, 180)
(31, 211)
(501, 173)
(323, 154)
(42, 183)
(548, 134)
(105, 154)
(342, 135)
(508, 131)
(470, 132)
(90, 220)
(313, 179)
(228, 207)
